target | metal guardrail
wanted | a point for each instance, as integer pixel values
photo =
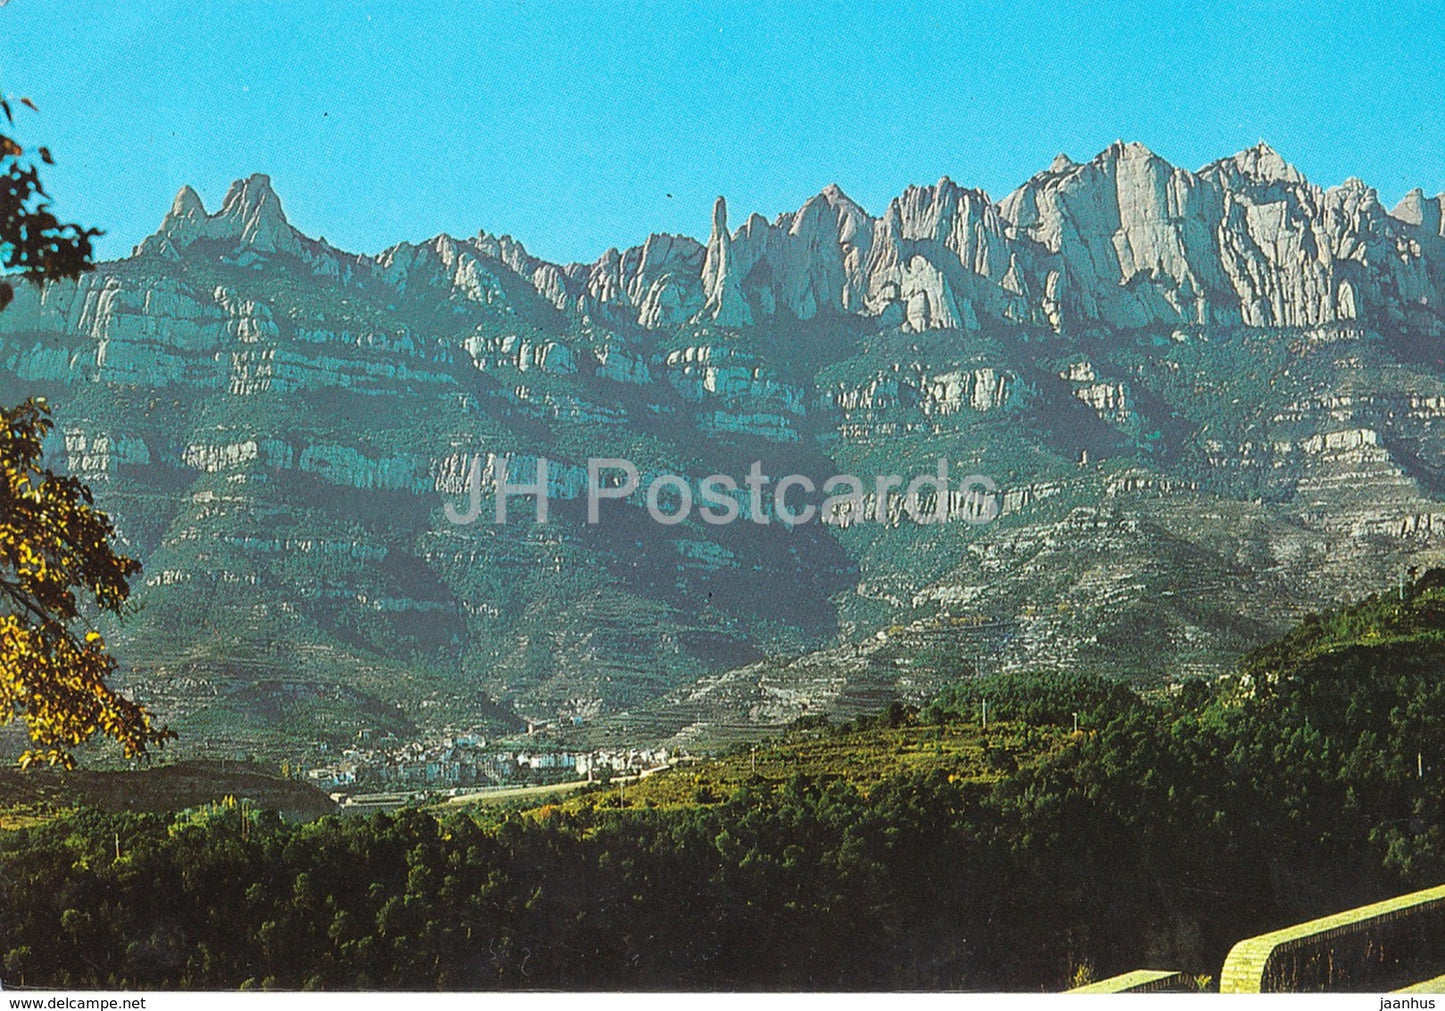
(1254, 965)
(1138, 981)
(1436, 985)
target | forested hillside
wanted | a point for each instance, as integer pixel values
(912, 850)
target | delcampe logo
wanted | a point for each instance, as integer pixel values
(720, 499)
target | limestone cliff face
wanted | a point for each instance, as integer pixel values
(1297, 255)
(939, 257)
(1126, 239)
(651, 284)
(279, 426)
(917, 266)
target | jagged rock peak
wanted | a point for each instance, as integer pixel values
(1421, 211)
(1262, 163)
(1061, 163)
(721, 284)
(252, 195)
(1411, 207)
(1123, 150)
(719, 217)
(840, 201)
(187, 204)
(1357, 188)
(253, 205)
(508, 249)
(187, 213)
(250, 218)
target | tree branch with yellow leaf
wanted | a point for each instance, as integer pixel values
(54, 543)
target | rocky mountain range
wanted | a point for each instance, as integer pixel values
(1124, 240)
(1212, 401)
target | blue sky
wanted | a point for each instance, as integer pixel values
(576, 126)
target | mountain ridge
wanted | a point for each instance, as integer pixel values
(277, 426)
(1123, 240)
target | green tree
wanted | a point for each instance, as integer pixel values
(53, 541)
(34, 245)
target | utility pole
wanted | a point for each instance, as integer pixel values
(1076, 723)
(1420, 764)
(755, 760)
